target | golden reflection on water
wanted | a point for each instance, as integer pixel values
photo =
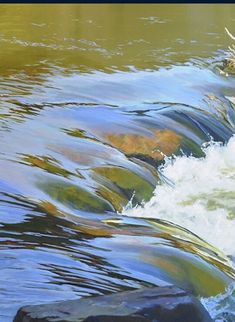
(68, 163)
(103, 36)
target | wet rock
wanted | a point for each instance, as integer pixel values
(161, 143)
(228, 67)
(120, 318)
(74, 196)
(128, 185)
(229, 62)
(46, 163)
(158, 304)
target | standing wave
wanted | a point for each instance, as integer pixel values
(197, 194)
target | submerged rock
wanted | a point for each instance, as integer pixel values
(128, 185)
(74, 196)
(158, 304)
(161, 143)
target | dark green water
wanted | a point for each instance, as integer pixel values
(92, 98)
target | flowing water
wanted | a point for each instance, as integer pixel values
(117, 147)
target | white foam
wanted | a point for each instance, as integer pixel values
(222, 306)
(201, 198)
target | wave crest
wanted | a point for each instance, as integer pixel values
(200, 196)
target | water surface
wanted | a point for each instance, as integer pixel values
(94, 98)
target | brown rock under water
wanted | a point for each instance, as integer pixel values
(161, 143)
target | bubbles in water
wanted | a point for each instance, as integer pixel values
(201, 197)
(222, 306)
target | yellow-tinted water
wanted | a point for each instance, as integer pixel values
(92, 98)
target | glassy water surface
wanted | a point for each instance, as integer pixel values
(112, 176)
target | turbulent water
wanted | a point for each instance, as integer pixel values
(117, 147)
(221, 307)
(198, 194)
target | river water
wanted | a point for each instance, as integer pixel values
(117, 166)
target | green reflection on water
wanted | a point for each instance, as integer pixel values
(37, 40)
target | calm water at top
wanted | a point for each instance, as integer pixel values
(109, 37)
(92, 99)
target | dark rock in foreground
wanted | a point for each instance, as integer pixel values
(158, 304)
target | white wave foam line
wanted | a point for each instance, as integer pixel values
(222, 306)
(202, 197)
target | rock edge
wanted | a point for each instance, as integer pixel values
(157, 304)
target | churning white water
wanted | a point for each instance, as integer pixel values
(199, 195)
(222, 306)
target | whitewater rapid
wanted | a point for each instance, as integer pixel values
(222, 306)
(198, 194)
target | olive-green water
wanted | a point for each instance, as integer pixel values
(92, 98)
